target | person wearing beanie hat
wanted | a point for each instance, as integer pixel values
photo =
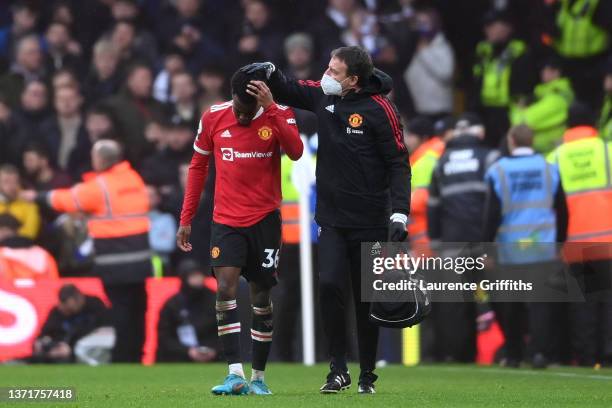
(418, 131)
(445, 127)
(547, 114)
(584, 166)
(605, 115)
(454, 214)
(185, 332)
(502, 74)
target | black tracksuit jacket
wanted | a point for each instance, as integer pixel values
(363, 172)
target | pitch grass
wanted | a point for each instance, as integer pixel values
(295, 386)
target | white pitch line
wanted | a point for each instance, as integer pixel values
(524, 372)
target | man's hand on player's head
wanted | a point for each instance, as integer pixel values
(261, 92)
(182, 238)
(267, 67)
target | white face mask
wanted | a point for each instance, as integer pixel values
(330, 86)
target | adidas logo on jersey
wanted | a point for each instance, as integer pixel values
(330, 108)
(226, 133)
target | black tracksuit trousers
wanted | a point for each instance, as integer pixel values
(339, 272)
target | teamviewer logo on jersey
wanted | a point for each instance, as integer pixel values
(227, 153)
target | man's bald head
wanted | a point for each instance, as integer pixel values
(105, 154)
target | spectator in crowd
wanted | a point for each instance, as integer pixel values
(184, 102)
(64, 77)
(585, 174)
(28, 67)
(259, 37)
(131, 47)
(501, 75)
(365, 31)
(134, 108)
(299, 53)
(10, 140)
(19, 257)
(454, 214)
(211, 82)
(23, 124)
(192, 33)
(62, 50)
(65, 130)
(10, 203)
(121, 241)
(328, 29)
(162, 168)
(40, 174)
(163, 227)
(100, 124)
(25, 18)
(580, 34)
(605, 115)
(186, 332)
(174, 63)
(77, 329)
(104, 79)
(430, 73)
(546, 114)
(517, 185)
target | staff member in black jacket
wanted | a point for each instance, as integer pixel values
(363, 189)
(454, 213)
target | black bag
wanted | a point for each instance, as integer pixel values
(402, 314)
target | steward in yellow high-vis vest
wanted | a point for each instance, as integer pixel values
(547, 114)
(586, 175)
(579, 34)
(501, 75)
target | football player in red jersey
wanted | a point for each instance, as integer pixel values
(245, 135)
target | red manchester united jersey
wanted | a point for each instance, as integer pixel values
(247, 162)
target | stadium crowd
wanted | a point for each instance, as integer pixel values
(141, 72)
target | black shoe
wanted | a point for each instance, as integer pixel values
(366, 383)
(337, 380)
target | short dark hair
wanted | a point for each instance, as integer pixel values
(358, 62)
(239, 83)
(68, 291)
(38, 148)
(522, 135)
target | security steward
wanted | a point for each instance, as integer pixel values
(525, 204)
(501, 75)
(363, 190)
(454, 214)
(114, 199)
(586, 174)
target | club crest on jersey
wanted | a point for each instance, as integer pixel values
(355, 120)
(264, 133)
(215, 252)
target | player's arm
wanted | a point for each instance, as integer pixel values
(282, 119)
(288, 91)
(196, 177)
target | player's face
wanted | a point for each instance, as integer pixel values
(244, 112)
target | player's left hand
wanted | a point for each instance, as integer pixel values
(182, 238)
(397, 227)
(260, 91)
